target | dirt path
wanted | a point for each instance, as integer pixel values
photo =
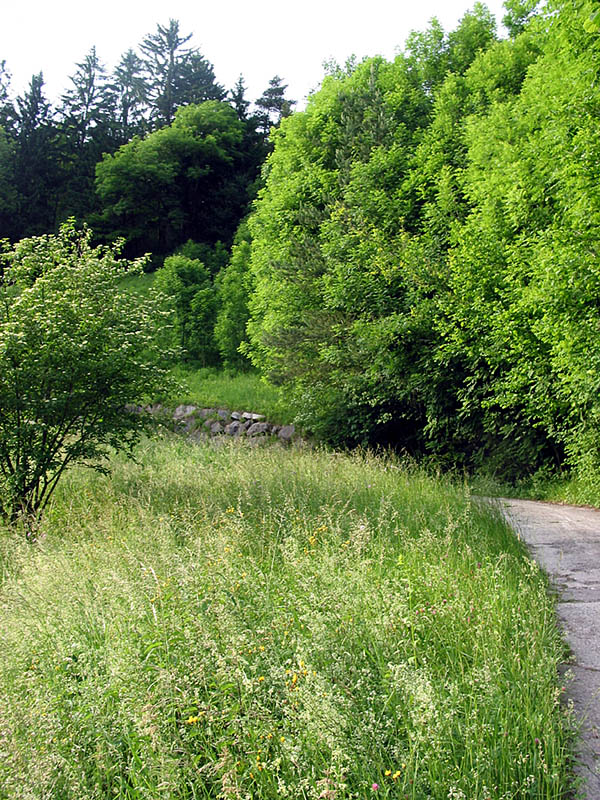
(565, 541)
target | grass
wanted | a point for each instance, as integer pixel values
(242, 622)
(245, 391)
(138, 284)
(582, 490)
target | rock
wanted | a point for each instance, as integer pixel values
(246, 425)
(253, 417)
(208, 423)
(287, 432)
(216, 428)
(131, 409)
(234, 428)
(257, 428)
(207, 412)
(236, 415)
(275, 429)
(181, 412)
(223, 413)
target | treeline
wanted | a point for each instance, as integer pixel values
(421, 265)
(157, 168)
(424, 257)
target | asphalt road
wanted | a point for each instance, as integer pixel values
(565, 541)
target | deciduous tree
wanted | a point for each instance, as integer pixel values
(74, 351)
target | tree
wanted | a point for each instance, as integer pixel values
(38, 162)
(163, 50)
(237, 98)
(187, 283)
(130, 93)
(185, 181)
(8, 191)
(177, 75)
(74, 351)
(273, 104)
(87, 107)
(6, 107)
(233, 285)
(518, 13)
(196, 81)
(87, 131)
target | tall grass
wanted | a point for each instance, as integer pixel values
(234, 622)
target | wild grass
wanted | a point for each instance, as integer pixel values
(243, 391)
(582, 490)
(242, 622)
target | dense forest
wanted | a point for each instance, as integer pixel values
(414, 257)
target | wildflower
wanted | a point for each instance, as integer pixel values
(396, 775)
(375, 786)
(388, 772)
(262, 677)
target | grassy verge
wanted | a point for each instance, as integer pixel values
(552, 488)
(244, 391)
(234, 622)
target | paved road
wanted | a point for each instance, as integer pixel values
(565, 541)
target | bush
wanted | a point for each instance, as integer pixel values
(74, 351)
(187, 282)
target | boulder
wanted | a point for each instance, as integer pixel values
(257, 428)
(181, 412)
(286, 433)
(251, 416)
(234, 428)
(223, 413)
(216, 428)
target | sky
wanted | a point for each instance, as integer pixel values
(255, 38)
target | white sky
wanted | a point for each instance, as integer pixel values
(257, 38)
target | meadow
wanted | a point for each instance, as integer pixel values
(233, 621)
(242, 391)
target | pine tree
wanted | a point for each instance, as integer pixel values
(273, 104)
(163, 51)
(88, 107)
(130, 92)
(38, 174)
(237, 98)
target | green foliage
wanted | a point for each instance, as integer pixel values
(182, 182)
(213, 257)
(272, 623)
(74, 351)
(424, 249)
(187, 283)
(233, 285)
(343, 308)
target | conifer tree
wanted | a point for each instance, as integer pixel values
(130, 92)
(273, 104)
